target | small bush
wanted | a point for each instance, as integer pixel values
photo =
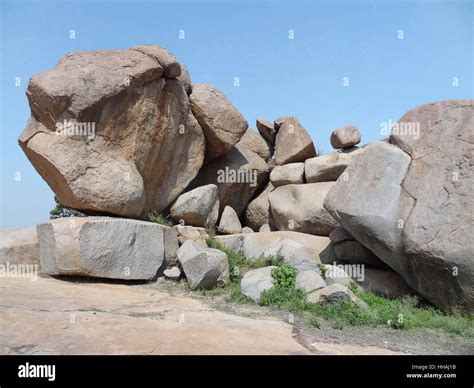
(60, 211)
(284, 276)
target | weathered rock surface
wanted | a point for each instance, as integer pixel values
(387, 283)
(222, 124)
(198, 207)
(256, 281)
(19, 246)
(246, 229)
(309, 281)
(186, 232)
(173, 273)
(339, 235)
(265, 228)
(267, 130)
(292, 144)
(101, 247)
(185, 79)
(252, 141)
(300, 208)
(291, 245)
(105, 126)
(337, 275)
(292, 173)
(345, 137)
(327, 168)
(170, 65)
(410, 206)
(237, 174)
(229, 223)
(204, 268)
(332, 293)
(258, 212)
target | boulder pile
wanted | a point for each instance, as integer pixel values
(124, 137)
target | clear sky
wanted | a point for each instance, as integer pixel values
(395, 55)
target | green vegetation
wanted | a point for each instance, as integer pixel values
(60, 211)
(159, 219)
(400, 314)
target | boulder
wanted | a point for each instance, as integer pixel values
(252, 141)
(265, 228)
(222, 124)
(238, 174)
(292, 245)
(266, 130)
(309, 281)
(329, 167)
(246, 229)
(229, 223)
(338, 275)
(198, 207)
(345, 137)
(196, 234)
(256, 281)
(185, 79)
(19, 246)
(292, 173)
(170, 65)
(293, 144)
(104, 129)
(279, 122)
(385, 282)
(300, 208)
(205, 268)
(258, 213)
(407, 201)
(101, 247)
(332, 293)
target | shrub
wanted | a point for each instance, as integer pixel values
(159, 219)
(284, 276)
(60, 211)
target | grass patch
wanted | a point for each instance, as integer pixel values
(159, 219)
(400, 314)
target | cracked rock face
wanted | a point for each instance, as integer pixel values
(105, 126)
(411, 201)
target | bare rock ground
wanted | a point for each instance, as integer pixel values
(55, 316)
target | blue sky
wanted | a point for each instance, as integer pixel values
(250, 40)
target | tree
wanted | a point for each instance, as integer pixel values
(62, 211)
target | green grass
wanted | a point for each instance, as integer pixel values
(159, 219)
(400, 314)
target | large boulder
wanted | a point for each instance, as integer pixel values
(267, 130)
(329, 167)
(101, 247)
(309, 281)
(104, 128)
(409, 201)
(222, 124)
(238, 174)
(204, 267)
(19, 246)
(291, 173)
(354, 252)
(255, 282)
(300, 208)
(292, 245)
(252, 141)
(258, 212)
(385, 282)
(198, 207)
(293, 143)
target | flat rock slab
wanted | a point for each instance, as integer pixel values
(52, 316)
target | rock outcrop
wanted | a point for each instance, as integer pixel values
(19, 246)
(410, 202)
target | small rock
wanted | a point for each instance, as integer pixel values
(265, 228)
(246, 229)
(345, 137)
(267, 130)
(186, 232)
(309, 281)
(204, 268)
(229, 223)
(256, 281)
(337, 275)
(287, 174)
(173, 273)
